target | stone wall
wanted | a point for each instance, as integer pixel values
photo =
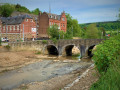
(29, 45)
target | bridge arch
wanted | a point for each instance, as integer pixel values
(67, 49)
(90, 49)
(52, 49)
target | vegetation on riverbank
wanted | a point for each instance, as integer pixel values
(107, 61)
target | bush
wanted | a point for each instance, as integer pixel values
(44, 41)
(107, 61)
(54, 40)
(38, 52)
(107, 53)
(109, 80)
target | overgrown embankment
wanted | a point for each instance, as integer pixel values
(107, 62)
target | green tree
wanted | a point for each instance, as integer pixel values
(20, 8)
(6, 10)
(69, 20)
(69, 34)
(53, 31)
(72, 25)
(62, 34)
(92, 32)
(76, 28)
(36, 11)
(17, 6)
(102, 32)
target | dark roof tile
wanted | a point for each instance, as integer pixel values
(14, 20)
(54, 16)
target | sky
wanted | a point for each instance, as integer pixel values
(85, 11)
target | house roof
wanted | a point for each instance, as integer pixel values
(54, 16)
(14, 20)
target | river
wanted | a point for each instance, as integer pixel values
(39, 71)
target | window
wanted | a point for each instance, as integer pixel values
(13, 27)
(50, 23)
(26, 20)
(63, 19)
(31, 20)
(63, 25)
(55, 17)
(10, 28)
(3, 28)
(50, 16)
(18, 27)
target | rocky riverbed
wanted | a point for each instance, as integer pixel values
(26, 70)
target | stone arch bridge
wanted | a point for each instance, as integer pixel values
(84, 45)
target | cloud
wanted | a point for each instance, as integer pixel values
(83, 10)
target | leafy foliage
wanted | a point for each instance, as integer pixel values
(92, 32)
(53, 31)
(72, 25)
(36, 11)
(107, 61)
(44, 41)
(56, 34)
(38, 52)
(62, 34)
(6, 10)
(69, 34)
(110, 80)
(108, 26)
(107, 53)
(20, 8)
(54, 40)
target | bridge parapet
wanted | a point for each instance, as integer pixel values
(82, 44)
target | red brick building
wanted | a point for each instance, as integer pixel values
(18, 27)
(48, 19)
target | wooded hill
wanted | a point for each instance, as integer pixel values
(7, 9)
(108, 26)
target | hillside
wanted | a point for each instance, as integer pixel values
(7, 10)
(108, 26)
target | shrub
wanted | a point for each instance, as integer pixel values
(109, 80)
(106, 53)
(54, 40)
(38, 52)
(44, 41)
(107, 61)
